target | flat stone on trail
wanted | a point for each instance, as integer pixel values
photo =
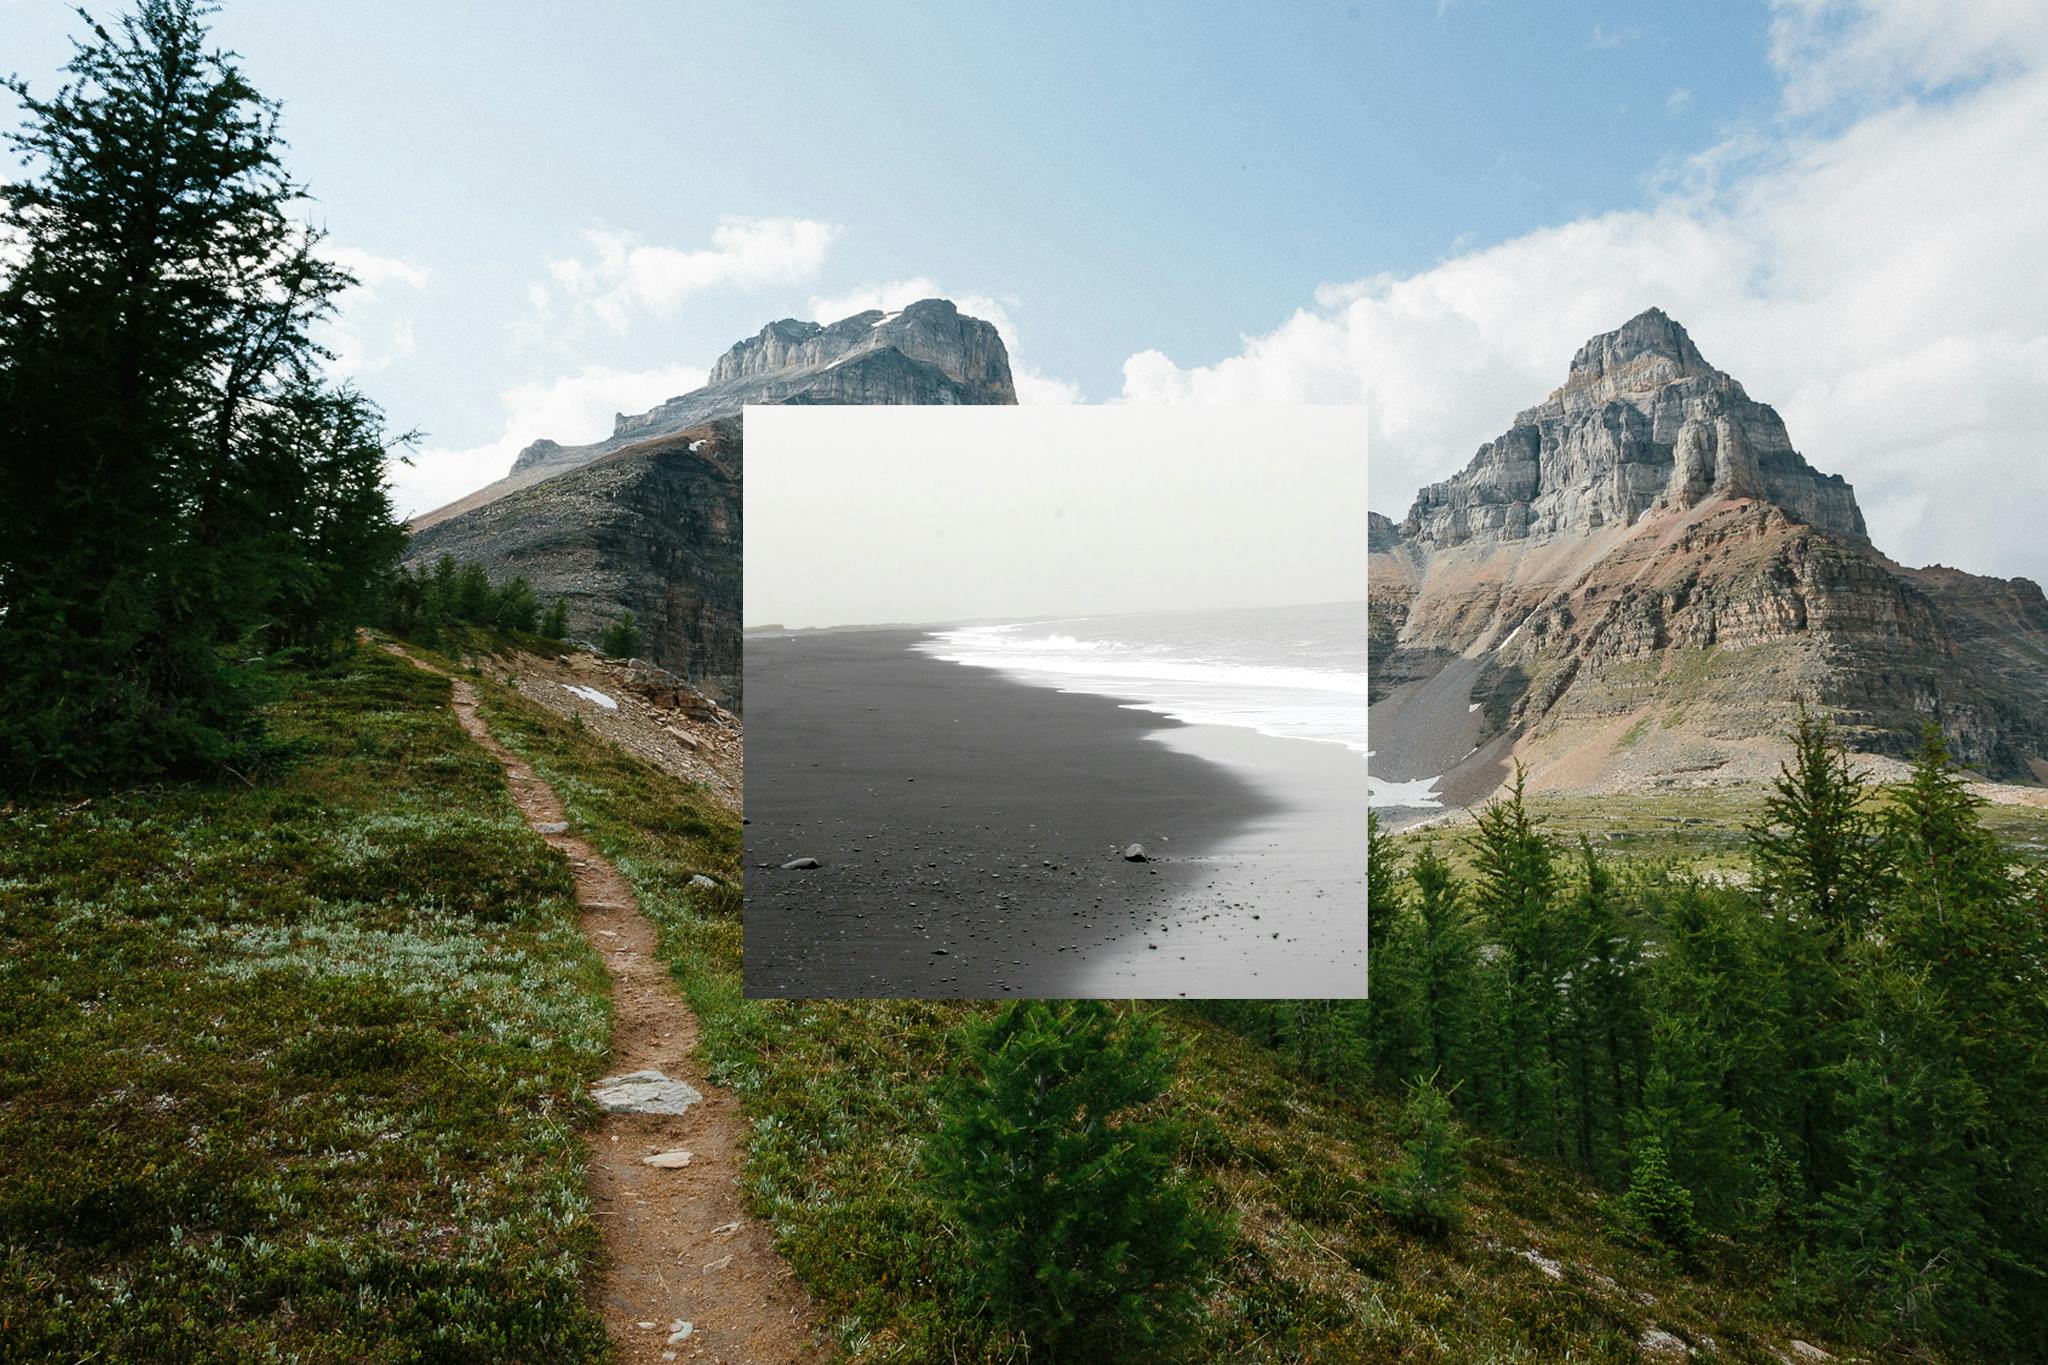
(644, 1092)
(800, 864)
(668, 1161)
(552, 827)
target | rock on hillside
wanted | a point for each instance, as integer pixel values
(1633, 585)
(648, 519)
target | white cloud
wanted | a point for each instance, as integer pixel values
(574, 410)
(1828, 52)
(370, 329)
(1033, 384)
(1607, 39)
(372, 270)
(1879, 284)
(1677, 100)
(621, 277)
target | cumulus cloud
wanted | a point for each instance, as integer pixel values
(1033, 384)
(1832, 52)
(574, 410)
(621, 278)
(1877, 280)
(370, 328)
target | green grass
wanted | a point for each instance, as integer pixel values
(291, 1071)
(840, 1098)
(1706, 831)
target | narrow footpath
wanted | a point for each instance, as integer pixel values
(687, 1274)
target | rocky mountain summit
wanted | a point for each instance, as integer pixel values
(1634, 585)
(1642, 425)
(926, 353)
(648, 519)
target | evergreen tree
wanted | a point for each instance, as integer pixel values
(1605, 1025)
(622, 637)
(1907, 1232)
(516, 608)
(475, 600)
(1963, 925)
(181, 477)
(1515, 896)
(1432, 964)
(1078, 1233)
(1425, 1191)
(555, 625)
(1656, 1206)
(1815, 851)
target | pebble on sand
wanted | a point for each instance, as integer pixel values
(800, 864)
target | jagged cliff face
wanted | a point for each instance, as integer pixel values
(648, 520)
(1643, 424)
(652, 528)
(1636, 583)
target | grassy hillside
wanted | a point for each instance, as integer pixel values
(291, 1071)
(298, 1065)
(841, 1099)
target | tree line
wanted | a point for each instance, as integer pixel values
(189, 496)
(423, 603)
(1836, 1063)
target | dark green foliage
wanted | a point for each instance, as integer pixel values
(1077, 1230)
(622, 637)
(187, 495)
(515, 607)
(1425, 1192)
(555, 625)
(1814, 853)
(1839, 1063)
(422, 604)
(1656, 1206)
(1514, 894)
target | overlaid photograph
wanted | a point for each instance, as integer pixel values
(1055, 702)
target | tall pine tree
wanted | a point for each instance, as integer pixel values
(181, 477)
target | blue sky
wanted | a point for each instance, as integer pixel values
(564, 210)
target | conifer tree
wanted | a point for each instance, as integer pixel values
(1815, 851)
(555, 625)
(1078, 1232)
(1656, 1206)
(622, 637)
(182, 478)
(1515, 896)
(1907, 1230)
(1425, 1191)
(515, 608)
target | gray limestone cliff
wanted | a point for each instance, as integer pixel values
(927, 353)
(1642, 424)
(1640, 579)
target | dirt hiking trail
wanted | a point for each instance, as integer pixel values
(687, 1274)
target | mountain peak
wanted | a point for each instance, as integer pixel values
(1650, 343)
(1642, 425)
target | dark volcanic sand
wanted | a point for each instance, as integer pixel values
(969, 830)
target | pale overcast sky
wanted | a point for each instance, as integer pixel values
(561, 212)
(917, 515)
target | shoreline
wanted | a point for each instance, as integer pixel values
(968, 828)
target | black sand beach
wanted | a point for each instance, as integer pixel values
(968, 829)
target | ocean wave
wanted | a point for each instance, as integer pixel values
(1192, 684)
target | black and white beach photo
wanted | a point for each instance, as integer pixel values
(1052, 702)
